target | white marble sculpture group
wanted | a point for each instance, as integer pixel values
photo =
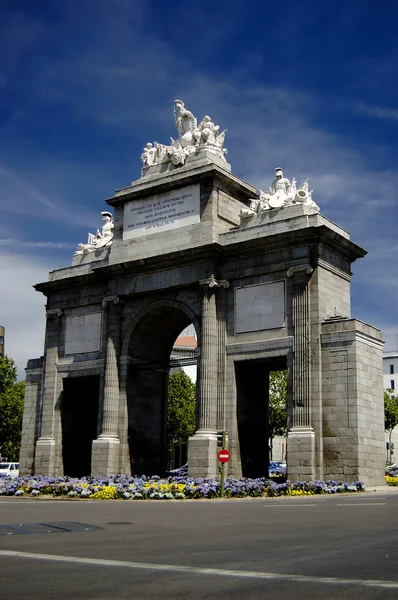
(101, 239)
(191, 138)
(280, 194)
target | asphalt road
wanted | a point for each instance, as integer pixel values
(318, 547)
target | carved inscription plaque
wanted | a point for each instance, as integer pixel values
(169, 210)
(259, 307)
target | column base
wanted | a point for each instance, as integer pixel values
(301, 454)
(202, 455)
(45, 456)
(105, 456)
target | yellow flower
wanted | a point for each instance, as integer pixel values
(390, 479)
(107, 493)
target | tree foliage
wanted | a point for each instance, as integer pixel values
(390, 418)
(390, 412)
(181, 414)
(277, 421)
(11, 409)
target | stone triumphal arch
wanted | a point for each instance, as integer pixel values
(265, 280)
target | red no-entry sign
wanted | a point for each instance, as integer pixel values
(224, 456)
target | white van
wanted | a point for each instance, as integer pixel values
(9, 469)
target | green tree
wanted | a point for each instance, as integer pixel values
(277, 420)
(181, 413)
(390, 418)
(11, 409)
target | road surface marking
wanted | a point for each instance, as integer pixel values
(378, 583)
(370, 498)
(283, 504)
(367, 504)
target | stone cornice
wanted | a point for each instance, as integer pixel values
(97, 363)
(305, 236)
(190, 174)
(198, 254)
(218, 254)
(277, 344)
(333, 269)
(54, 312)
(336, 339)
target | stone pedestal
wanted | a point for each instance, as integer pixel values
(301, 452)
(105, 456)
(202, 454)
(45, 456)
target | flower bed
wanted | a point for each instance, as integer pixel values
(392, 476)
(154, 488)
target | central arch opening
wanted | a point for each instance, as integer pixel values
(151, 344)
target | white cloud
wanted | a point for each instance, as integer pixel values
(25, 198)
(10, 243)
(22, 308)
(378, 112)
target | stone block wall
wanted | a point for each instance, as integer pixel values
(31, 416)
(352, 393)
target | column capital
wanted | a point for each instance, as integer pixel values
(212, 282)
(299, 270)
(54, 312)
(108, 299)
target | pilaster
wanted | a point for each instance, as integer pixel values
(301, 437)
(202, 447)
(45, 445)
(105, 450)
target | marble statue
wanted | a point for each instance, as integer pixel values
(101, 239)
(191, 139)
(280, 194)
(185, 123)
(148, 156)
(206, 134)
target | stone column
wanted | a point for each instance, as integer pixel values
(202, 447)
(125, 465)
(301, 436)
(105, 451)
(45, 445)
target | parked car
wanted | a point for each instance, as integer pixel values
(180, 472)
(277, 468)
(8, 469)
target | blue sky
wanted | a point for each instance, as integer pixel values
(307, 85)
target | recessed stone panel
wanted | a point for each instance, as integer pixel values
(175, 208)
(83, 333)
(260, 307)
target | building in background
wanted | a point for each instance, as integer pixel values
(390, 371)
(184, 356)
(390, 383)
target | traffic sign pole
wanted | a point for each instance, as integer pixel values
(224, 443)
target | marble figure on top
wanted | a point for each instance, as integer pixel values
(191, 139)
(280, 194)
(101, 239)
